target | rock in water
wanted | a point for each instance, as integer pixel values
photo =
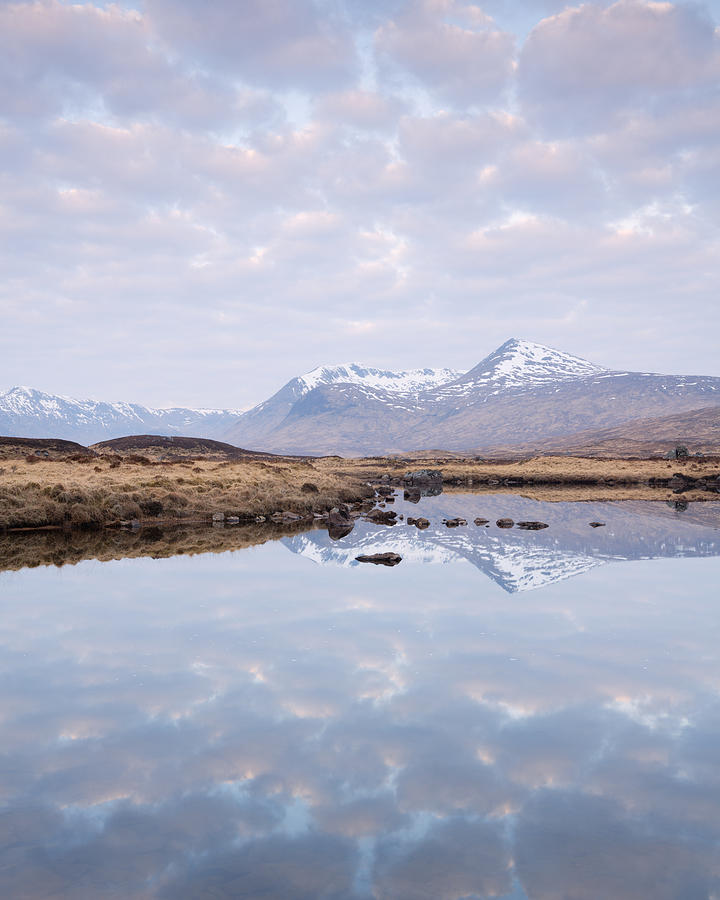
(504, 523)
(597, 524)
(532, 526)
(422, 523)
(381, 559)
(481, 521)
(340, 516)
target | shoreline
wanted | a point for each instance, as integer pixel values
(118, 492)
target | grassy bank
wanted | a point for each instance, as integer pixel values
(107, 491)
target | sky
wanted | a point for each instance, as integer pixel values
(199, 201)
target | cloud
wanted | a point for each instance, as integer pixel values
(287, 44)
(581, 69)
(455, 51)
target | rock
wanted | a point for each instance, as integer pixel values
(423, 476)
(310, 488)
(381, 559)
(481, 521)
(218, 517)
(504, 523)
(339, 516)
(422, 523)
(532, 526)
(260, 519)
(453, 523)
(384, 490)
(411, 520)
(291, 517)
(233, 520)
(597, 524)
(385, 478)
(412, 495)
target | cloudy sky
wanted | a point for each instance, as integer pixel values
(200, 200)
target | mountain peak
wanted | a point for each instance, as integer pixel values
(520, 363)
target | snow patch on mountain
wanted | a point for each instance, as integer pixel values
(409, 381)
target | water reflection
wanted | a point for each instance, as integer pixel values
(253, 725)
(518, 560)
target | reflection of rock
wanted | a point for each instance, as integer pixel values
(340, 531)
(519, 559)
(382, 516)
(381, 559)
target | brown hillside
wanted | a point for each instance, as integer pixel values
(43, 448)
(157, 446)
(698, 430)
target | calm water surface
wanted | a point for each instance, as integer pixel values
(504, 714)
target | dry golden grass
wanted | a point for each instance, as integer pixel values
(56, 492)
(543, 469)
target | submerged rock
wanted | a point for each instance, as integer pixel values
(381, 559)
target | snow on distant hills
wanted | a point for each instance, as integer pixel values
(521, 393)
(26, 412)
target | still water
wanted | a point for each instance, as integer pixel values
(504, 714)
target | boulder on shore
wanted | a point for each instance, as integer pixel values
(423, 476)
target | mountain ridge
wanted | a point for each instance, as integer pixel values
(521, 392)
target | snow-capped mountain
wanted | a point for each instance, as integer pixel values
(522, 365)
(26, 412)
(525, 560)
(522, 392)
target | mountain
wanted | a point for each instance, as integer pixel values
(403, 387)
(522, 392)
(525, 560)
(31, 413)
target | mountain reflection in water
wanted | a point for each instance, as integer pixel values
(249, 724)
(519, 560)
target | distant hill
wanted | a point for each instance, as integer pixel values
(159, 446)
(48, 448)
